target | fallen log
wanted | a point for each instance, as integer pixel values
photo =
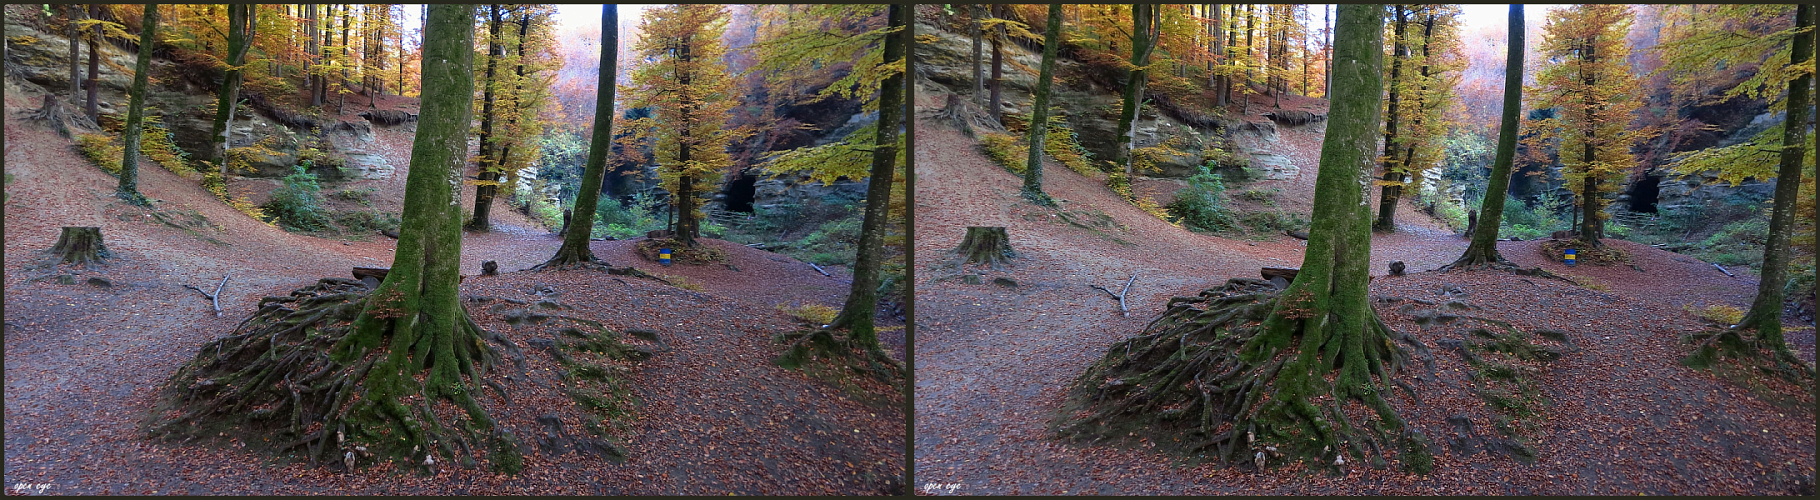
(1272, 272)
(819, 269)
(1722, 269)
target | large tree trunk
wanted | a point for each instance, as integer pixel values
(239, 40)
(135, 111)
(80, 246)
(1258, 371)
(1765, 315)
(1039, 113)
(361, 370)
(1393, 171)
(1142, 41)
(486, 164)
(574, 248)
(862, 298)
(1484, 247)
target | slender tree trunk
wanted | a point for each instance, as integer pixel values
(1142, 18)
(998, 66)
(685, 185)
(862, 299)
(72, 31)
(1484, 247)
(1251, 63)
(94, 66)
(239, 40)
(1326, 53)
(1421, 105)
(135, 111)
(1393, 172)
(575, 241)
(1765, 315)
(342, 93)
(517, 99)
(1039, 113)
(973, 30)
(488, 169)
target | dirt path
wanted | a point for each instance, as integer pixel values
(82, 361)
(992, 361)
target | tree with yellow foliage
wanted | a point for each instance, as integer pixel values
(1588, 80)
(685, 84)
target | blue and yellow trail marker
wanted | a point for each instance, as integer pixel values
(1569, 257)
(663, 256)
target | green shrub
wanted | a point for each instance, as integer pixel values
(1264, 196)
(1522, 231)
(1201, 205)
(365, 221)
(298, 204)
(622, 221)
(355, 195)
(1274, 221)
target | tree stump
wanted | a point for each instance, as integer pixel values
(986, 245)
(80, 245)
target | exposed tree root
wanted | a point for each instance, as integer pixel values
(966, 117)
(275, 384)
(1745, 345)
(54, 115)
(1199, 381)
(802, 346)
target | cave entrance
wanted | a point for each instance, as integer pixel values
(1644, 193)
(739, 193)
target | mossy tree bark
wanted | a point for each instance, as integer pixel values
(575, 240)
(986, 245)
(857, 313)
(79, 245)
(1484, 247)
(135, 111)
(240, 38)
(1259, 375)
(1143, 42)
(357, 376)
(1765, 314)
(1039, 113)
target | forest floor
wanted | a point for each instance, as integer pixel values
(83, 361)
(1619, 414)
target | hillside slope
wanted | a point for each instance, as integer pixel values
(83, 360)
(993, 359)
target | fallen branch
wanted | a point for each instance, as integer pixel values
(1722, 269)
(819, 269)
(1121, 295)
(214, 298)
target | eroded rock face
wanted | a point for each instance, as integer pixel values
(771, 192)
(45, 61)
